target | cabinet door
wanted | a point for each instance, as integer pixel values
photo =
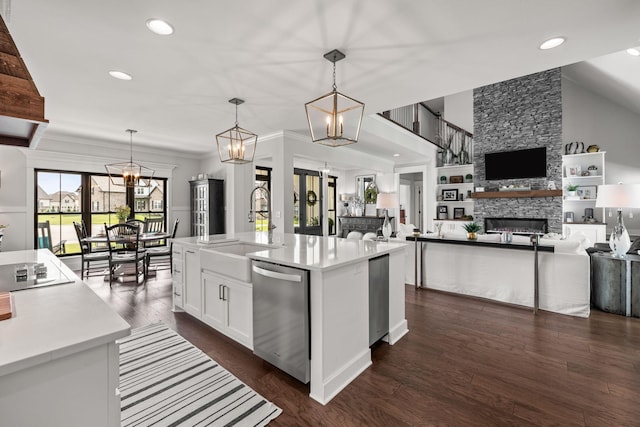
(239, 302)
(214, 304)
(191, 285)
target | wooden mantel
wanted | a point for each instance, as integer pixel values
(516, 194)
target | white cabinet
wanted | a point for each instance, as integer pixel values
(586, 171)
(453, 198)
(228, 307)
(177, 277)
(192, 291)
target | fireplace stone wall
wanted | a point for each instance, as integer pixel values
(521, 113)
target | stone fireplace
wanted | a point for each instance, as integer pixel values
(521, 113)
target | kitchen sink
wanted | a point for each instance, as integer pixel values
(230, 260)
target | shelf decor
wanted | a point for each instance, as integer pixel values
(450, 195)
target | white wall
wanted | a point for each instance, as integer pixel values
(593, 119)
(458, 109)
(73, 154)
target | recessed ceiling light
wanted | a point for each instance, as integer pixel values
(551, 43)
(633, 51)
(120, 75)
(396, 155)
(159, 26)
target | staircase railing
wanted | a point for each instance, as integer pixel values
(455, 144)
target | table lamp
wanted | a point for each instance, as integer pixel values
(386, 201)
(619, 196)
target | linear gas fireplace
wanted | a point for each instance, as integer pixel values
(516, 225)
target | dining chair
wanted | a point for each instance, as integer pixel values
(162, 251)
(123, 241)
(154, 225)
(87, 255)
(45, 239)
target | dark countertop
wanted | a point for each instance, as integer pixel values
(466, 242)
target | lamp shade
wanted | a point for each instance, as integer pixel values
(387, 201)
(618, 196)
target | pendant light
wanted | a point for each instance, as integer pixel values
(334, 119)
(236, 145)
(129, 174)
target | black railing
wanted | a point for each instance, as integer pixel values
(455, 143)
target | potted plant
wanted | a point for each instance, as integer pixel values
(443, 179)
(468, 177)
(472, 229)
(571, 189)
(122, 212)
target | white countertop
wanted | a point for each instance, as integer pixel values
(302, 251)
(53, 321)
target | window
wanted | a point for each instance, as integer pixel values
(63, 197)
(263, 179)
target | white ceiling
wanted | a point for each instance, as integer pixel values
(270, 54)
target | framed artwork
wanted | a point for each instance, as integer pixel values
(587, 191)
(458, 213)
(450, 195)
(443, 212)
(573, 170)
(568, 217)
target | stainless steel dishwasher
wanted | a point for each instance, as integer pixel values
(281, 324)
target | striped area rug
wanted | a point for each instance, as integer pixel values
(166, 381)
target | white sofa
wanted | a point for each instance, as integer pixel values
(507, 275)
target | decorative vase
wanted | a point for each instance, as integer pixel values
(386, 226)
(472, 235)
(447, 157)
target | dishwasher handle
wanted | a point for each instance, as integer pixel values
(277, 275)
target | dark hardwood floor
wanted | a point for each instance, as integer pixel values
(464, 362)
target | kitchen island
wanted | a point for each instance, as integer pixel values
(338, 294)
(58, 355)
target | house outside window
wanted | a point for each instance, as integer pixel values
(64, 197)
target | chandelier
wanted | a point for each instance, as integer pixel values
(129, 174)
(334, 119)
(236, 145)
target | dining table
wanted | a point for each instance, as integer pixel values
(100, 240)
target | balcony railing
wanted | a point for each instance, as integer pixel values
(455, 144)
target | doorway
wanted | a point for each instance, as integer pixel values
(411, 198)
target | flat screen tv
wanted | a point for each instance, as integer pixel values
(517, 164)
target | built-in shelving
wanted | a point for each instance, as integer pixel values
(574, 209)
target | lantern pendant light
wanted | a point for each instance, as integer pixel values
(334, 119)
(236, 145)
(129, 174)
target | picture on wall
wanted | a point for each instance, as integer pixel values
(458, 213)
(450, 195)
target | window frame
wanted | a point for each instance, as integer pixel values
(86, 203)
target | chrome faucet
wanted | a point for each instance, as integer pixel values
(252, 214)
